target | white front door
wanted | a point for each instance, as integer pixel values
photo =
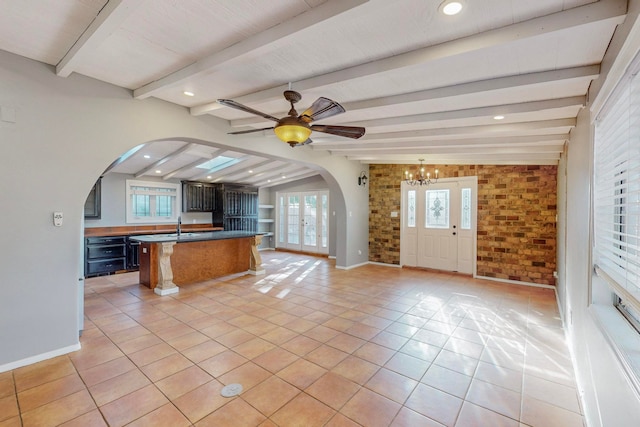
(437, 230)
(303, 221)
(438, 225)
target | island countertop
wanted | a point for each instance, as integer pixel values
(193, 236)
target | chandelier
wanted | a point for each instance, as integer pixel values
(420, 178)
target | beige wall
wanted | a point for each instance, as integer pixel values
(516, 218)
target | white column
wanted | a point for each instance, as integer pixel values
(165, 273)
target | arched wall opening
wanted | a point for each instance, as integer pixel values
(66, 132)
(114, 213)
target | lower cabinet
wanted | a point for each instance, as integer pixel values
(104, 255)
(133, 255)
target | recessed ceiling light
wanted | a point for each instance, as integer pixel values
(450, 8)
(158, 171)
(146, 156)
(186, 92)
(250, 171)
(208, 176)
(498, 117)
(284, 177)
(268, 180)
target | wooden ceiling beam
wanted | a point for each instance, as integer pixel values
(251, 45)
(108, 20)
(586, 73)
(614, 10)
(540, 127)
(165, 159)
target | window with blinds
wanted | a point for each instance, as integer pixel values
(152, 202)
(616, 252)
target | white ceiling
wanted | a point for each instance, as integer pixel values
(424, 85)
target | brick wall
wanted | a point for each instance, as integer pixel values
(516, 218)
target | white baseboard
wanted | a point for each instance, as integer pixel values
(516, 282)
(341, 267)
(384, 264)
(39, 358)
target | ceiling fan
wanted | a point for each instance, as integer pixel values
(295, 129)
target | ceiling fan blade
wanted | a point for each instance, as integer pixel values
(238, 106)
(240, 132)
(348, 131)
(321, 109)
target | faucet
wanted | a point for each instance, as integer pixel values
(179, 229)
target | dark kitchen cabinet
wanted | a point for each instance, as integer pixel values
(105, 255)
(198, 196)
(236, 207)
(133, 255)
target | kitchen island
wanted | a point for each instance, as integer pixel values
(168, 260)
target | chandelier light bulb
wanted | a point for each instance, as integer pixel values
(420, 177)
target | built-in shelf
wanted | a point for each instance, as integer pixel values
(265, 225)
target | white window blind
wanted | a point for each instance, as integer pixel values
(617, 193)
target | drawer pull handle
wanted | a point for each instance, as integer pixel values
(107, 252)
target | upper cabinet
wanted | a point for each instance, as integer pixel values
(237, 207)
(198, 196)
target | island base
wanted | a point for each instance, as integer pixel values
(195, 261)
(163, 292)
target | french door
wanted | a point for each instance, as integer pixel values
(438, 225)
(302, 221)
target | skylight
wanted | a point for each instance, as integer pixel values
(218, 163)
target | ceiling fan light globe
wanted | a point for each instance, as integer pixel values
(292, 133)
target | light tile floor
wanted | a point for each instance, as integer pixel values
(311, 345)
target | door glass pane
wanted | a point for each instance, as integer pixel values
(324, 232)
(310, 209)
(282, 215)
(465, 215)
(411, 208)
(437, 209)
(293, 216)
